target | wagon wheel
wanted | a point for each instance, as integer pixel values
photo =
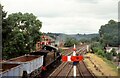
(25, 75)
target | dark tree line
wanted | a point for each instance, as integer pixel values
(109, 34)
(20, 31)
(70, 42)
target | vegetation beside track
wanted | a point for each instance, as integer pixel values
(106, 66)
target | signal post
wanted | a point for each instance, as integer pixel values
(74, 59)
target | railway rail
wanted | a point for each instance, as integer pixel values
(69, 51)
(83, 70)
(95, 66)
(66, 68)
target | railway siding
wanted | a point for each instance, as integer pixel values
(66, 68)
(98, 66)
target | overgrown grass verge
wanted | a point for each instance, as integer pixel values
(109, 63)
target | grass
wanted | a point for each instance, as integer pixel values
(110, 63)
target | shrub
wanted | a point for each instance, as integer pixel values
(101, 52)
(109, 56)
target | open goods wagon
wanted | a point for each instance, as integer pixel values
(16, 66)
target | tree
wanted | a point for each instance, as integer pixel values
(109, 56)
(109, 33)
(101, 52)
(20, 33)
(111, 22)
(70, 42)
(84, 41)
(95, 39)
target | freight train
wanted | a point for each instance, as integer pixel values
(31, 64)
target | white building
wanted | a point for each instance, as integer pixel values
(117, 49)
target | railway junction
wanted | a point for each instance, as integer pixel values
(66, 69)
(46, 63)
(87, 68)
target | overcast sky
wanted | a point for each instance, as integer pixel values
(67, 16)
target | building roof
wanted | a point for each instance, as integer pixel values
(48, 37)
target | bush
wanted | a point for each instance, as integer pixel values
(109, 56)
(97, 45)
(101, 52)
(95, 49)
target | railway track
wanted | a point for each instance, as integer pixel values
(70, 50)
(66, 68)
(83, 70)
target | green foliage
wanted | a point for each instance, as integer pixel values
(95, 39)
(111, 22)
(96, 45)
(85, 37)
(109, 56)
(97, 48)
(113, 51)
(20, 33)
(85, 41)
(119, 56)
(118, 71)
(70, 42)
(100, 52)
(109, 34)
